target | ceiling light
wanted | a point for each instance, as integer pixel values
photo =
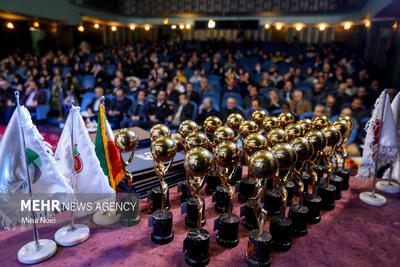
(368, 24)
(278, 26)
(10, 25)
(36, 24)
(181, 26)
(299, 27)
(96, 26)
(114, 28)
(211, 24)
(165, 21)
(188, 26)
(322, 27)
(147, 27)
(267, 26)
(347, 26)
(132, 27)
(173, 27)
(81, 28)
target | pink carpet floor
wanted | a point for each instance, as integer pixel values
(354, 234)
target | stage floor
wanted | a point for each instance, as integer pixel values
(353, 234)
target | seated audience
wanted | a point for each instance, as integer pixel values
(358, 110)
(273, 102)
(298, 105)
(252, 95)
(319, 110)
(192, 95)
(229, 109)
(92, 109)
(34, 97)
(137, 112)
(205, 110)
(182, 111)
(205, 87)
(118, 108)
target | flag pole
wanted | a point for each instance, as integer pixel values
(22, 138)
(72, 234)
(39, 249)
(372, 198)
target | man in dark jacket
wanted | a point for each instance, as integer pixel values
(160, 110)
(206, 109)
(192, 95)
(118, 108)
(229, 109)
(182, 111)
(34, 97)
(138, 112)
(253, 94)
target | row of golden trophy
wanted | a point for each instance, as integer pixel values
(284, 159)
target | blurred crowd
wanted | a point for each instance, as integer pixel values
(168, 82)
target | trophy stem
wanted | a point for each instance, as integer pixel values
(314, 177)
(300, 185)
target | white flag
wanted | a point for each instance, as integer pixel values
(78, 162)
(47, 182)
(396, 164)
(388, 146)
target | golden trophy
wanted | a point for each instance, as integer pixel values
(163, 149)
(326, 190)
(298, 212)
(246, 185)
(281, 226)
(210, 125)
(233, 121)
(186, 128)
(190, 205)
(159, 130)
(221, 197)
(319, 123)
(198, 162)
(252, 143)
(227, 156)
(313, 201)
(293, 131)
(306, 124)
(263, 165)
(342, 171)
(273, 196)
(285, 119)
(270, 123)
(126, 140)
(258, 116)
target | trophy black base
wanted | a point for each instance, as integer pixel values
(192, 213)
(221, 199)
(130, 217)
(212, 182)
(228, 230)
(196, 246)
(337, 181)
(272, 202)
(345, 174)
(258, 249)
(183, 188)
(155, 196)
(281, 229)
(306, 178)
(237, 176)
(299, 215)
(249, 221)
(291, 188)
(246, 189)
(162, 227)
(320, 170)
(327, 194)
(313, 204)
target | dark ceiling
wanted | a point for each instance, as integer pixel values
(171, 8)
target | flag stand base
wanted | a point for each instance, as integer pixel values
(105, 218)
(67, 237)
(376, 200)
(391, 188)
(28, 255)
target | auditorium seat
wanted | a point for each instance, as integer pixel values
(194, 110)
(86, 99)
(88, 82)
(306, 115)
(214, 96)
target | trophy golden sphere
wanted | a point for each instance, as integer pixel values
(198, 161)
(196, 139)
(343, 128)
(163, 149)
(332, 136)
(258, 116)
(285, 119)
(247, 127)
(294, 130)
(317, 140)
(263, 165)
(349, 123)
(126, 140)
(276, 136)
(211, 124)
(224, 133)
(320, 122)
(187, 127)
(179, 141)
(227, 154)
(285, 154)
(159, 130)
(270, 123)
(254, 142)
(234, 120)
(306, 124)
(304, 149)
